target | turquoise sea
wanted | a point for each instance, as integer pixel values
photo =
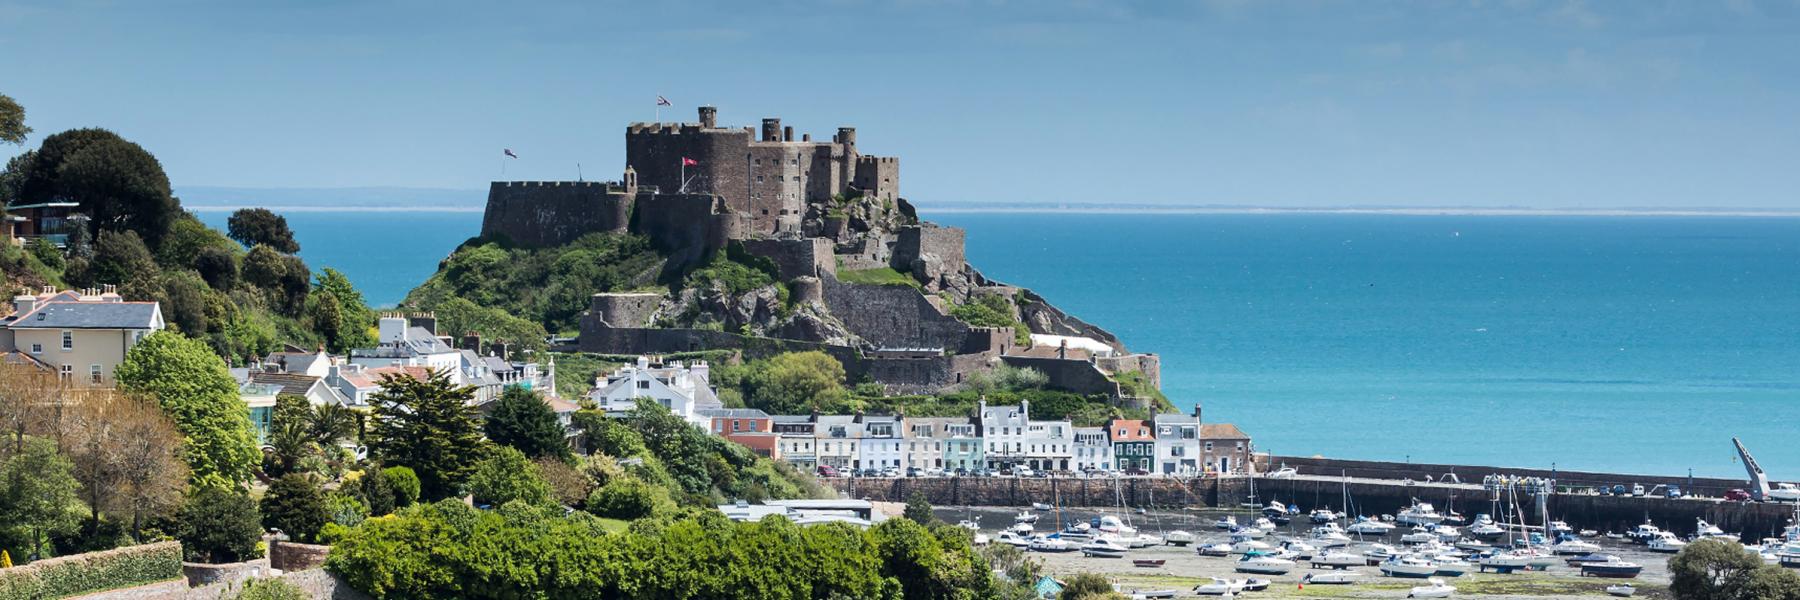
(1637, 344)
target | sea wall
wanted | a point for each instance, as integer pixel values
(1006, 491)
(1373, 469)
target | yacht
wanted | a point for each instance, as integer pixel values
(1576, 561)
(1446, 533)
(1012, 539)
(1666, 542)
(1142, 540)
(1473, 545)
(1040, 543)
(1436, 589)
(1263, 564)
(1020, 528)
(1112, 524)
(1343, 578)
(1559, 528)
(1275, 509)
(1451, 566)
(1226, 522)
(1214, 550)
(1041, 506)
(1573, 547)
(1178, 538)
(1336, 560)
(1408, 566)
(1617, 569)
(1103, 547)
(1329, 537)
(1785, 492)
(1623, 590)
(1220, 587)
(969, 525)
(1263, 523)
(1301, 550)
(1368, 526)
(1247, 546)
(1488, 531)
(1378, 553)
(1323, 516)
(1025, 517)
(1643, 533)
(1249, 532)
(1505, 562)
(1704, 530)
(1420, 513)
(1418, 536)
(1076, 531)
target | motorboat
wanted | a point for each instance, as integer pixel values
(1178, 538)
(1473, 545)
(1342, 578)
(1613, 570)
(1020, 528)
(1329, 538)
(969, 525)
(1142, 540)
(1408, 566)
(1436, 589)
(1301, 550)
(1263, 523)
(1378, 553)
(981, 539)
(1485, 531)
(1220, 587)
(1041, 506)
(1249, 532)
(1336, 560)
(1785, 492)
(1574, 547)
(1418, 536)
(1248, 546)
(1446, 533)
(1013, 539)
(1103, 547)
(1076, 531)
(1450, 566)
(1112, 524)
(1214, 550)
(1147, 563)
(1163, 594)
(1623, 590)
(1322, 516)
(1025, 517)
(1263, 564)
(1420, 513)
(1666, 542)
(1040, 543)
(1255, 584)
(1367, 526)
(1705, 530)
(1274, 509)
(1576, 561)
(1226, 522)
(1558, 529)
(1643, 533)
(1505, 562)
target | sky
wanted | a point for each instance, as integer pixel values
(1542, 104)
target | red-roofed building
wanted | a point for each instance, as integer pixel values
(1134, 444)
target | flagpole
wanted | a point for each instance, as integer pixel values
(683, 176)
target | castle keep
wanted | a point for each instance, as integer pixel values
(828, 219)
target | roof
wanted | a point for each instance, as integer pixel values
(735, 413)
(20, 358)
(1222, 431)
(560, 406)
(1135, 431)
(296, 361)
(291, 384)
(791, 418)
(497, 364)
(416, 372)
(1177, 419)
(91, 315)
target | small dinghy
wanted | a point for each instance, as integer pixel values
(1041, 506)
(1437, 589)
(1147, 563)
(1624, 590)
(1255, 585)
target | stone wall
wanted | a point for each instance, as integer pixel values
(929, 252)
(1006, 491)
(686, 227)
(892, 316)
(623, 309)
(1077, 376)
(552, 213)
(796, 257)
(1148, 364)
(199, 574)
(294, 556)
(316, 584)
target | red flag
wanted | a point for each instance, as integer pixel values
(661, 101)
(508, 152)
(688, 162)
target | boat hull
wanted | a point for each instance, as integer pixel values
(1611, 571)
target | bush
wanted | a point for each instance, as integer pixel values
(296, 506)
(84, 573)
(271, 589)
(506, 475)
(376, 492)
(628, 499)
(216, 525)
(405, 484)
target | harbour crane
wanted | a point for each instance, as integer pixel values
(1759, 481)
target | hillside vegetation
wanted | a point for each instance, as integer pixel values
(518, 294)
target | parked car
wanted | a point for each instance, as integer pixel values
(913, 472)
(890, 472)
(1284, 473)
(828, 471)
(1023, 472)
(1619, 490)
(935, 472)
(1674, 492)
(960, 472)
(1737, 495)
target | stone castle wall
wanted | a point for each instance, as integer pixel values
(796, 257)
(553, 213)
(929, 252)
(624, 309)
(893, 316)
(685, 227)
(1077, 376)
(1148, 364)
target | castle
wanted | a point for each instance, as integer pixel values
(822, 213)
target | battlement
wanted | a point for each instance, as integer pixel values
(606, 186)
(877, 160)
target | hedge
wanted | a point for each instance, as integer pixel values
(77, 574)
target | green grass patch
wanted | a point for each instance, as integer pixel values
(881, 276)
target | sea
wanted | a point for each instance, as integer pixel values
(1637, 344)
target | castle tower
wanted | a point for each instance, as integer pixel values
(709, 117)
(771, 129)
(629, 181)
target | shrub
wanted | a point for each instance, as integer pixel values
(376, 492)
(271, 589)
(629, 498)
(94, 571)
(296, 506)
(405, 484)
(506, 475)
(217, 525)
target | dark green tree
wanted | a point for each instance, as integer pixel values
(296, 506)
(628, 498)
(1085, 586)
(218, 267)
(186, 298)
(264, 268)
(405, 484)
(119, 185)
(218, 525)
(918, 510)
(120, 258)
(12, 121)
(796, 382)
(507, 475)
(47, 253)
(1717, 570)
(521, 419)
(290, 436)
(375, 492)
(39, 493)
(253, 226)
(193, 387)
(430, 426)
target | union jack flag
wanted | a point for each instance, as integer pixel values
(661, 101)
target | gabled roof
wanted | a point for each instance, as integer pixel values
(291, 384)
(420, 373)
(17, 358)
(1222, 431)
(1135, 431)
(735, 413)
(497, 364)
(91, 315)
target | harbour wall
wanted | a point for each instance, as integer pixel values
(1372, 469)
(1006, 491)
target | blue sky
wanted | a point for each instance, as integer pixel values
(1481, 103)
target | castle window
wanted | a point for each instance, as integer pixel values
(794, 161)
(759, 179)
(759, 162)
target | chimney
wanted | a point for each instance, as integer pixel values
(805, 137)
(1062, 351)
(1196, 410)
(771, 131)
(787, 133)
(709, 117)
(426, 321)
(500, 349)
(471, 341)
(392, 329)
(24, 304)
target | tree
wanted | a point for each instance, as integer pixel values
(629, 498)
(29, 401)
(507, 475)
(405, 484)
(47, 253)
(296, 506)
(376, 492)
(1717, 570)
(568, 486)
(120, 257)
(194, 389)
(430, 426)
(218, 267)
(188, 300)
(119, 185)
(39, 495)
(290, 438)
(12, 121)
(264, 268)
(918, 510)
(253, 226)
(127, 456)
(797, 382)
(522, 420)
(218, 525)
(1085, 586)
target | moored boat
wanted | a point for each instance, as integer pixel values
(1408, 566)
(1436, 589)
(1214, 550)
(1263, 564)
(1344, 578)
(1147, 563)
(1617, 569)
(1623, 590)
(1178, 538)
(1103, 547)
(1420, 513)
(1336, 560)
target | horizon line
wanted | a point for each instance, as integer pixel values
(1170, 210)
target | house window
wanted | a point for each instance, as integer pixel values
(643, 385)
(1209, 446)
(735, 425)
(67, 371)
(94, 373)
(37, 348)
(759, 179)
(68, 341)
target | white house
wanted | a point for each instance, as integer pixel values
(1049, 445)
(683, 389)
(798, 443)
(1178, 444)
(404, 345)
(882, 444)
(838, 440)
(1093, 449)
(82, 336)
(1003, 432)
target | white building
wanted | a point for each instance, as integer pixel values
(405, 345)
(81, 336)
(1003, 432)
(838, 441)
(1093, 449)
(683, 389)
(882, 444)
(1049, 445)
(799, 442)
(926, 438)
(1178, 444)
